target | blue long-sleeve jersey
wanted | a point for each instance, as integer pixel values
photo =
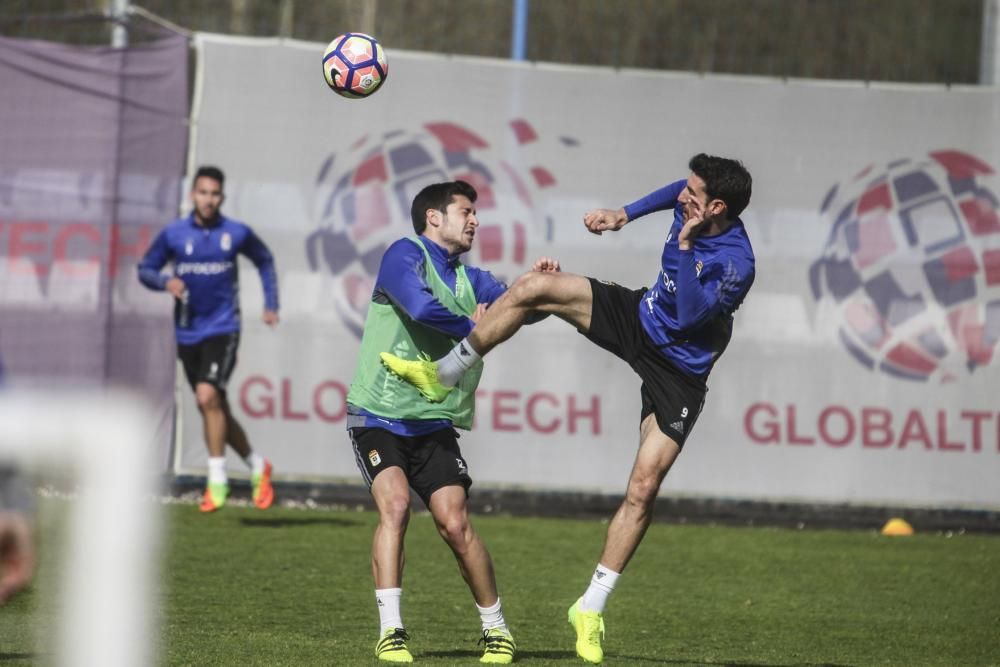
(400, 281)
(205, 259)
(688, 312)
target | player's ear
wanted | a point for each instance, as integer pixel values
(433, 217)
(717, 208)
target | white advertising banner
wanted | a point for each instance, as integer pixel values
(863, 364)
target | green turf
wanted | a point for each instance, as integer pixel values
(293, 587)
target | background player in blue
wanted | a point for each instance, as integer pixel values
(671, 334)
(205, 286)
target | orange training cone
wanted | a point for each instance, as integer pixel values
(896, 527)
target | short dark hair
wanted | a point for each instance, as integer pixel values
(209, 171)
(725, 179)
(437, 196)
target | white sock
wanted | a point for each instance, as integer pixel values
(255, 462)
(387, 600)
(453, 365)
(601, 585)
(492, 617)
(217, 470)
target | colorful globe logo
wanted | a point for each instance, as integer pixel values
(911, 267)
(364, 196)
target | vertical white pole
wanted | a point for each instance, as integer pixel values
(106, 614)
(989, 54)
(119, 33)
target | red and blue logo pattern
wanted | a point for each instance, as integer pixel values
(364, 195)
(912, 266)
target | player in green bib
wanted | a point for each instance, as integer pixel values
(425, 301)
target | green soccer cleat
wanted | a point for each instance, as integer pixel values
(589, 626)
(392, 646)
(499, 647)
(422, 374)
(214, 498)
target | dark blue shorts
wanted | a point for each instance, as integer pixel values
(675, 397)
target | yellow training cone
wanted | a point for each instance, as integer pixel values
(897, 526)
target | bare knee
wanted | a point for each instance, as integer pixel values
(394, 513)
(456, 531)
(642, 490)
(208, 397)
(532, 289)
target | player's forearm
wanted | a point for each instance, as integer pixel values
(269, 282)
(411, 295)
(152, 278)
(695, 305)
(432, 314)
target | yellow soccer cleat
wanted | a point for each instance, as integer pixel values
(499, 647)
(392, 646)
(589, 626)
(215, 497)
(422, 374)
(263, 492)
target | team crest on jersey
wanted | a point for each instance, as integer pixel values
(188, 247)
(374, 457)
(698, 267)
(226, 242)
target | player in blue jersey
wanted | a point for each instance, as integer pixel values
(425, 299)
(671, 335)
(203, 249)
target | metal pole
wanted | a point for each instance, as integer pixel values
(286, 20)
(119, 33)
(369, 10)
(519, 30)
(989, 54)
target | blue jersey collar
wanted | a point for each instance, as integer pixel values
(219, 221)
(439, 253)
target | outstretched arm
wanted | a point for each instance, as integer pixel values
(605, 220)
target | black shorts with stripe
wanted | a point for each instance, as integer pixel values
(429, 462)
(211, 360)
(675, 397)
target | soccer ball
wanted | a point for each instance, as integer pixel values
(354, 65)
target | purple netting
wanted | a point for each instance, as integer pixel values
(92, 153)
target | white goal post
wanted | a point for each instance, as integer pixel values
(103, 439)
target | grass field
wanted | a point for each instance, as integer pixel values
(292, 587)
